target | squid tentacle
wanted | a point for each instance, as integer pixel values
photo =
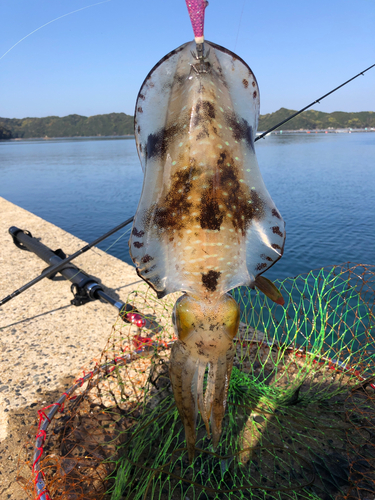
(187, 375)
(201, 398)
(224, 371)
(200, 343)
(182, 372)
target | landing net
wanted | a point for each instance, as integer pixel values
(300, 419)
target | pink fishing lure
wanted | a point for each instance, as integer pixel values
(196, 10)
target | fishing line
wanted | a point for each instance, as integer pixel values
(49, 22)
(239, 24)
(118, 239)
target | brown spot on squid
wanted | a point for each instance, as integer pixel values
(210, 279)
(276, 230)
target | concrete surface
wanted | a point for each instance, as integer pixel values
(44, 340)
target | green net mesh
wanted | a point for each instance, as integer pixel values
(300, 419)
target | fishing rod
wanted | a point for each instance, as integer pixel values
(58, 266)
(46, 273)
(84, 287)
(312, 104)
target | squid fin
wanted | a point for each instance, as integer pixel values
(269, 289)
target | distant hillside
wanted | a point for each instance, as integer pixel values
(311, 120)
(4, 132)
(122, 124)
(69, 126)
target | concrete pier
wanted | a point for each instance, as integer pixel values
(44, 340)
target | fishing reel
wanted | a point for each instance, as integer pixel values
(84, 292)
(84, 287)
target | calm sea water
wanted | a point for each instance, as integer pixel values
(323, 185)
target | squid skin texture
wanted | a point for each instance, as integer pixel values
(205, 223)
(205, 337)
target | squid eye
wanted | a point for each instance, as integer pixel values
(187, 315)
(231, 316)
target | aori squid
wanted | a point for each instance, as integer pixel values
(205, 222)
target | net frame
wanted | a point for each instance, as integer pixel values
(263, 313)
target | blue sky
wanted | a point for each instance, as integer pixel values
(94, 61)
